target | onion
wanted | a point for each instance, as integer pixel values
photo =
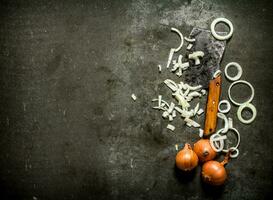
(203, 150)
(214, 172)
(186, 159)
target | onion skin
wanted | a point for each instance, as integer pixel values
(186, 159)
(214, 172)
(203, 150)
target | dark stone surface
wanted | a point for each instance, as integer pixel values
(69, 129)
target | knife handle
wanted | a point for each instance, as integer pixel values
(212, 105)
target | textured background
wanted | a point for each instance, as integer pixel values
(69, 129)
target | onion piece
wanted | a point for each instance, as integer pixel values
(178, 109)
(181, 100)
(195, 94)
(201, 132)
(172, 105)
(203, 92)
(192, 123)
(200, 111)
(222, 116)
(180, 66)
(196, 109)
(230, 123)
(187, 92)
(134, 97)
(170, 127)
(219, 139)
(170, 57)
(186, 114)
(165, 114)
(171, 84)
(189, 39)
(188, 124)
(174, 113)
(159, 68)
(217, 73)
(181, 39)
(196, 56)
(189, 46)
(161, 104)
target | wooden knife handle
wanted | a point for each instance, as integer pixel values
(212, 105)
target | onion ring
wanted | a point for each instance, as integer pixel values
(238, 75)
(246, 83)
(224, 110)
(238, 140)
(221, 37)
(217, 138)
(252, 108)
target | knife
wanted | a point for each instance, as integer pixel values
(204, 73)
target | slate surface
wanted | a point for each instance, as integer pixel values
(69, 129)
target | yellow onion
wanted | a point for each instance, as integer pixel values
(186, 159)
(203, 150)
(214, 172)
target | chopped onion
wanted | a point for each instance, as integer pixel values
(134, 97)
(170, 127)
(201, 132)
(192, 123)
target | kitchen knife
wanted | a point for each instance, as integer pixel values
(204, 73)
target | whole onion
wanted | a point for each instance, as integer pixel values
(214, 172)
(186, 159)
(203, 150)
